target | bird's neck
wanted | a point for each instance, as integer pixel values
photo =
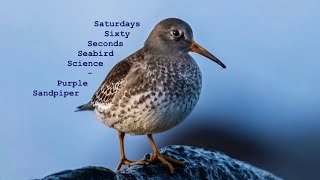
(164, 51)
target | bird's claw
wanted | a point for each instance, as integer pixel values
(167, 161)
(124, 161)
(174, 161)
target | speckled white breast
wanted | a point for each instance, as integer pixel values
(142, 118)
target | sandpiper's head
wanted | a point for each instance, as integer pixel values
(175, 35)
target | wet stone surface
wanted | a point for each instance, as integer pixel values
(201, 164)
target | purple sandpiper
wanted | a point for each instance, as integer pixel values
(153, 89)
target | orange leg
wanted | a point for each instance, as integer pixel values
(162, 158)
(123, 159)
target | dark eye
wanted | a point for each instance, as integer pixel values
(175, 33)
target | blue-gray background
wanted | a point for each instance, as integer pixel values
(263, 109)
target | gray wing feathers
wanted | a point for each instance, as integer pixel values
(113, 82)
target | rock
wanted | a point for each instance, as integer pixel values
(201, 164)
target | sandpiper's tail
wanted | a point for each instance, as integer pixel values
(85, 107)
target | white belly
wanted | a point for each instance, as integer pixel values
(144, 118)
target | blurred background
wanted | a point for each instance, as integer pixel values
(263, 109)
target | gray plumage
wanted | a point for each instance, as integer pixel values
(156, 87)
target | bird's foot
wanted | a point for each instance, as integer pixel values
(174, 161)
(167, 161)
(125, 161)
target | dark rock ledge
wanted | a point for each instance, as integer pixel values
(201, 164)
